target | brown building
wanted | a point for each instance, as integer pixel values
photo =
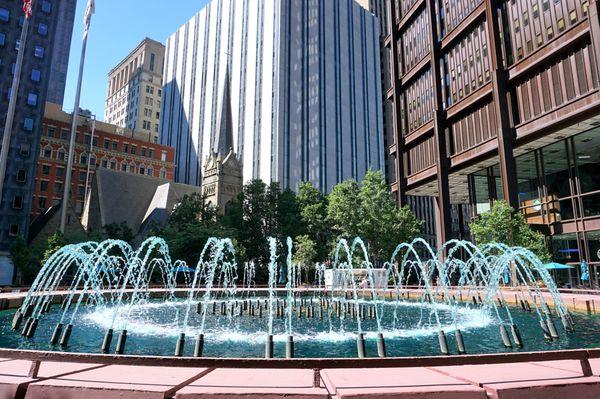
(495, 100)
(110, 147)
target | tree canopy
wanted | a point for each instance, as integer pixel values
(503, 224)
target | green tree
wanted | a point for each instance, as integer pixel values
(306, 251)
(343, 210)
(503, 224)
(382, 224)
(119, 231)
(190, 225)
(26, 261)
(252, 234)
(288, 210)
(55, 242)
(312, 205)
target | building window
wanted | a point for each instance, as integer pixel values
(44, 185)
(83, 159)
(58, 188)
(163, 173)
(115, 145)
(163, 156)
(125, 148)
(142, 170)
(113, 164)
(150, 171)
(13, 230)
(60, 172)
(42, 202)
(35, 75)
(133, 149)
(2, 39)
(47, 152)
(143, 151)
(28, 124)
(60, 154)
(123, 166)
(21, 176)
(151, 153)
(588, 160)
(46, 7)
(50, 132)
(104, 163)
(132, 168)
(92, 160)
(17, 202)
(152, 61)
(4, 14)
(32, 99)
(45, 170)
(24, 150)
(43, 29)
(39, 52)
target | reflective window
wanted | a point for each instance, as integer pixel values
(28, 124)
(564, 248)
(593, 239)
(481, 191)
(43, 29)
(32, 99)
(591, 205)
(527, 180)
(498, 181)
(46, 6)
(35, 75)
(587, 157)
(556, 170)
(4, 14)
(39, 52)
(2, 39)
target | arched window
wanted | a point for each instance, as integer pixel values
(104, 162)
(60, 154)
(83, 159)
(113, 164)
(92, 160)
(123, 166)
(142, 169)
(47, 151)
(163, 173)
(150, 171)
(132, 167)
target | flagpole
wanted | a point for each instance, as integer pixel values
(74, 119)
(10, 115)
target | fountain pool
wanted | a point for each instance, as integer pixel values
(456, 299)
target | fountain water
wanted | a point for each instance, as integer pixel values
(429, 292)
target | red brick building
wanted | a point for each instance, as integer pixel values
(110, 147)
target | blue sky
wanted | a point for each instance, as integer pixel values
(117, 27)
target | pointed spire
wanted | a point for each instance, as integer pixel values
(223, 140)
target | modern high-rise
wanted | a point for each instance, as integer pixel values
(50, 19)
(305, 90)
(495, 100)
(135, 89)
(61, 50)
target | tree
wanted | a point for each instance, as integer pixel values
(119, 231)
(26, 261)
(55, 242)
(192, 207)
(306, 251)
(503, 224)
(290, 220)
(382, 224)
(313, 213)
(343, 210)
(252, 233)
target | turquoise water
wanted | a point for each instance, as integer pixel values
(153, 329)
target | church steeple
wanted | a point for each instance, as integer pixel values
(223, 139)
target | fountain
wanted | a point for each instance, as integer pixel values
(490, 298)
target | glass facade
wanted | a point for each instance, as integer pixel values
(559, 192)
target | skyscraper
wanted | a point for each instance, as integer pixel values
(49, 19)
(305, 90)
(500, 100)
(135, 89)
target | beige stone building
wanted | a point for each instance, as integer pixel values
(135, 89)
